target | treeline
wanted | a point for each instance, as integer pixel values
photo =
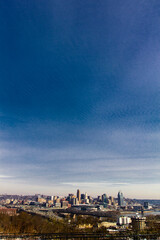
(153, 224)
(27, 223)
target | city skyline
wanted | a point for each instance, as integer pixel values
(79, 97)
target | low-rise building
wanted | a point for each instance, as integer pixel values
(8, 211)
(124, 220)
(107, 224)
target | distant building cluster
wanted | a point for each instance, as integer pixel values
(79, 200)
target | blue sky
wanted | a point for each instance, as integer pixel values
(80, 97)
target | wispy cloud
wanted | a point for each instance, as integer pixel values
(5, 176)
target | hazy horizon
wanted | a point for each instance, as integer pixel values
(80, 97)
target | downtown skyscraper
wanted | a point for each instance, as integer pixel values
(120, 199)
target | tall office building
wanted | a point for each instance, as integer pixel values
(112, 200)
(104, 198)
(146, 205)
(79, 195)
(82, 196)
(138, 223)
(75, 201)
(85, 196)
(120, 199)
